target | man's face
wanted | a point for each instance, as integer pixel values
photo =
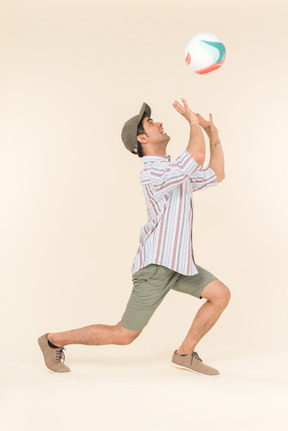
(156, 139)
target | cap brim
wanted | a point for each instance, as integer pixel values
(145, 109)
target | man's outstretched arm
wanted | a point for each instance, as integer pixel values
(196, 144)
(216, 152)
(217, 157)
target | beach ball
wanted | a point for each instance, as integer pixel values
(204, 53)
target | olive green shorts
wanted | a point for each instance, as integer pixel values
(150, 286)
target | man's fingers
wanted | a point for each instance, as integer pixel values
(186, 106)
(178, 104)
(178, 107)
(185, 103)
(185, 111)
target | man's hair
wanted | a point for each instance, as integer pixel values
(140, 131)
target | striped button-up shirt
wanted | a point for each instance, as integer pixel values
(166, 238)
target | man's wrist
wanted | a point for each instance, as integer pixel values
(194, 124)
(214, 140)
(214, 136)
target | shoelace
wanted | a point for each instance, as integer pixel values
(195, 355)
(60, 354)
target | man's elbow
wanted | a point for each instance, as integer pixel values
(199, 158)
(220, 177)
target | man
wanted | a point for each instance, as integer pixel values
(164, 259)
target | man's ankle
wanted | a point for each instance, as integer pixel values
(183, 352)
(50, 338)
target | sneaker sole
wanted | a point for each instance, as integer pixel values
(196, 372)
(54, 372)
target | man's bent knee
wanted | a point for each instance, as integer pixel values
(124, 335)
(216, 291)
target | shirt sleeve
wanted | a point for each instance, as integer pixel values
(166, 176)
(204, 178)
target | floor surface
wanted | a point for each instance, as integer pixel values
(128, 388)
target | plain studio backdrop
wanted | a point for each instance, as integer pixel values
(72, 73)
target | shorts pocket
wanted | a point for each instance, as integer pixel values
(146, 273)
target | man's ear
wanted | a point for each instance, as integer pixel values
(142, 138)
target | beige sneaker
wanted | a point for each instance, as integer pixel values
(52, 357)
(192, 362)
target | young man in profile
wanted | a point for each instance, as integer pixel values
(164, 259)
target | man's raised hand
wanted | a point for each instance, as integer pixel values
(190, 116)
(208, 126)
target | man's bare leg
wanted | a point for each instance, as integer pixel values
(218, 296)
(94, 335)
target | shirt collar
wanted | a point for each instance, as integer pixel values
(151, 158)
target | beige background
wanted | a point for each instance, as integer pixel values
(72, 72)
